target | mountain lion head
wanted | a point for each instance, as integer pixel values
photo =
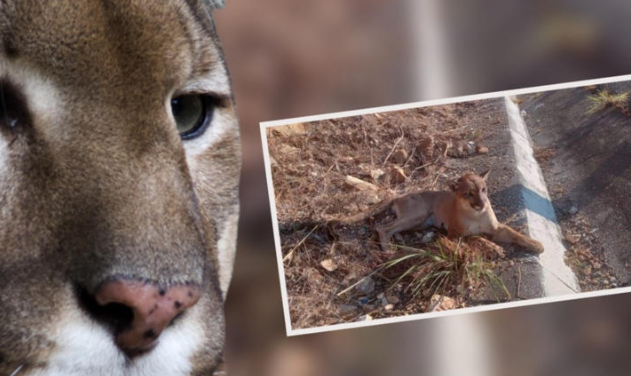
(119, 165)
(471, 189)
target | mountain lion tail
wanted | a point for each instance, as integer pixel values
(375, 210)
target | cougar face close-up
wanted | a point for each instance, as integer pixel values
(119, 168)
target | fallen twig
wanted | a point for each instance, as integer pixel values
(358, 282)
(291, 253)
(393, 148)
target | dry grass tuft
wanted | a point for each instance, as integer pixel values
(605, 99)
(448, 268)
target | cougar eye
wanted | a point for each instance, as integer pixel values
(13, 109)
(192, 113)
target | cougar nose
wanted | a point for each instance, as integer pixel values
(152, 307)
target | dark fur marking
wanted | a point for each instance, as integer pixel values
(150, 334)
(10, 49)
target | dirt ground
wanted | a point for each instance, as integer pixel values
(337, 274)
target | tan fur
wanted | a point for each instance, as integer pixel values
(95, 180)
(463, 211)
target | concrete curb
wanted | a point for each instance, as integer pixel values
(556, 277)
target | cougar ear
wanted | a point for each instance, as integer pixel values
(485, 174)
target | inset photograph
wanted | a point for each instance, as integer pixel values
(476, 203)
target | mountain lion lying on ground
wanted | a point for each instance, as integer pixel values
(119, 165)
(464, 210)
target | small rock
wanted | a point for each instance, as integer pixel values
(426, 146)
(377, 174)
(572, 238)
(587, 271)
(461, 148)
(393, 299)
(384, 302)
(441, 303)
(380, 295)
(397, 174)
(345, 309)
(329, 265)
(313, 275)
(400, 156)
(366, 285)
(365, 318)
(356, 183)
(573, 210)
(428, 237)
(482, 149)
(389, 307)
(371, 197)
(597, 265)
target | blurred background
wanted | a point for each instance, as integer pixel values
(302, 57)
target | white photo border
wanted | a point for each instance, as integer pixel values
(434, 102)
